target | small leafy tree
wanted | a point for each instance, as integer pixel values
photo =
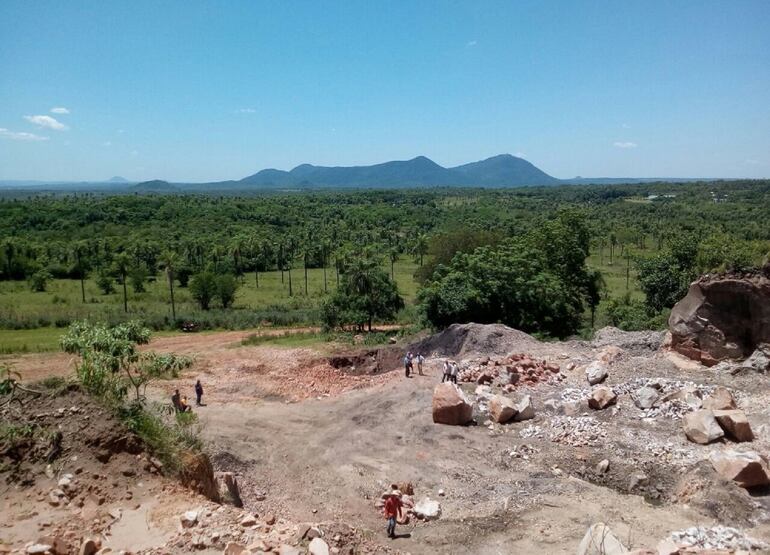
(366, 292)
(105, 283)
(226, 286)
(39, 280)
(203, 288)
(111, 364)
(138, 278)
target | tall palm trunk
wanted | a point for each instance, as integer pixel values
(291, 291)
(171, 289)
(125, 293)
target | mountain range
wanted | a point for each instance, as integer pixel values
(503, 170)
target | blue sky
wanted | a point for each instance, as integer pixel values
(199, 91)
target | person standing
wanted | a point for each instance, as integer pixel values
(198, 393)
(447, 372)
(420, 360)
(408, 364)
(454, 369)
(176, 400)
(392, 509)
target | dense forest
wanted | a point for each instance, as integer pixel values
(543, 259)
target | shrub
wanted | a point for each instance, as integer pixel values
(39, 280)
(203, 288)
(226, 286)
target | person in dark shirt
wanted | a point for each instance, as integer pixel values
(198, 393)
(176, 400)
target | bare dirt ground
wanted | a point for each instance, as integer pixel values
(317, 444)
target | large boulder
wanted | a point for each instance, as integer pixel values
(602, 397)
(596, 372)
(722, 317)
(735, 424)
(700, 426)
(599, 540)
(502, 409)
(450, 405)
(746, 468)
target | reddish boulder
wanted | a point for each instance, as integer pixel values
(502, 409)
(722, 317)
(735, 424)
(602, 397)
(746, 468)
(450, 405)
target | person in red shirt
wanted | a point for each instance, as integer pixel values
(393, 507)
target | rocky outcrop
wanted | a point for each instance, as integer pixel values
(197, 473)
(722, 317)
(450, 405)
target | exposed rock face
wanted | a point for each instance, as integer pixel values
(502, 409)
(198, 474)
(450, 405)
(735, 424)
(747, 468)
(701, 427)
(722, 317)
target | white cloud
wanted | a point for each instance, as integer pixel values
(626, 144)
(107, 143)
(247, 111)
(20, 136)
(121, 131)
(59, 110)
(47, 121)
(471, 43)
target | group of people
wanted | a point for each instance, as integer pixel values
(409, 360)
(180, 402)
(451, 368)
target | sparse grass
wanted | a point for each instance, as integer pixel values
(287, 339)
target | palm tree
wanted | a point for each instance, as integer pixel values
(122, 266)
(169, 260)
(80, 251)
(393, 256)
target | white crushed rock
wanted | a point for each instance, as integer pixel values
(716, 537)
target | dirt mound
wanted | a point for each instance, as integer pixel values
(371, 361)
(462, 340)
(638, 343)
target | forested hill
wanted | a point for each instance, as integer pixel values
(499, 171)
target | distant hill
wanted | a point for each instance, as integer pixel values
(499, 171)
(117, 179)
(154, 186)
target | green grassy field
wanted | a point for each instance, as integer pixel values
(33, 321)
